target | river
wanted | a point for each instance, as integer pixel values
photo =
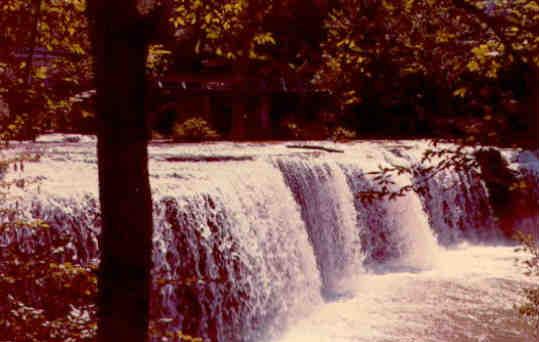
(287, 251)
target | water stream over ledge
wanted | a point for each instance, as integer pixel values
(286, 249)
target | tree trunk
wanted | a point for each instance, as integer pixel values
(239, 118)
(532, 108)
(125, 197)
(20, 100)
(36, 4)
(264, 117)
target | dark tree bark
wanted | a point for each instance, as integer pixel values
(239, 119)
(19, 100)
(126, 206)
(36, 4)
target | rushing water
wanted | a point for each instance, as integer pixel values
(287, 251)
(466, 296)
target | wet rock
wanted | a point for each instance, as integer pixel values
(509, 193)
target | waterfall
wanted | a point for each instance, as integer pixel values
(245, 246)
(328, 211)
(240, 234)
(459, 209)
(76, 218)
(397, 231)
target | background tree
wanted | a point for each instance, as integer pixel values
(243, 42)
(435, 58)
(43, 63)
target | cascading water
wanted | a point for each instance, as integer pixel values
(458, 208)
(327, 209)
(398, 233)
(240, 233)
(258, 235)
(74, 217)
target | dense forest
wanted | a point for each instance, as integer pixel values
(290, 69)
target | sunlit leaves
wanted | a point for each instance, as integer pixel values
(460, 92)
(227, 28)
(157, 60)
(442, 39)
(485, 59)
(44, 50)
(264, 38)
(47, 297)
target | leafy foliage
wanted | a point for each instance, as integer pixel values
(444, 40)
(529, 310)
(231, 29)
(433, 56)
(342, 134)
(158, 60)
(194, 129)
(433, 162)
(43, 62)
(48, 296)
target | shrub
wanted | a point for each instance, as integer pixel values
(529, 310)
(304, 130)
(292, 130)
(342, 134)
(156, 135)
(48, 296)
(194, 129)
(45, 296)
